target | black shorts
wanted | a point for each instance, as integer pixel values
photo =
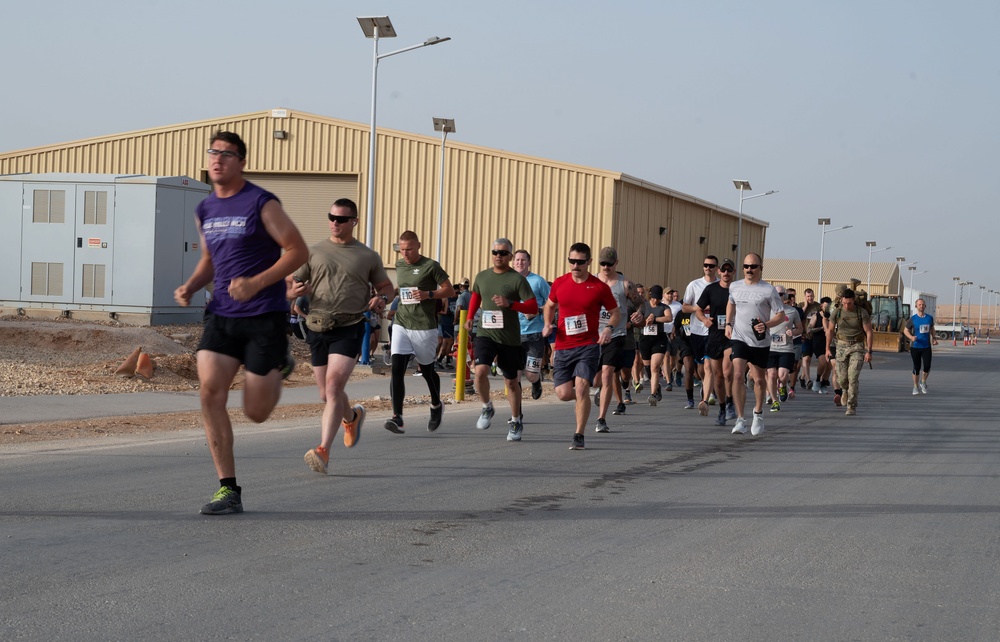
(613, 353)
(699, 344)
(259, 342)
(534, 345)
(717, 345)
(652, 344)
(447, 328)
(510, 359)
(784, 360)
(819, 344)
(684, 347)
(344, 341)
(757, 356)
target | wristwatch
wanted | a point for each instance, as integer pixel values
(384, 298)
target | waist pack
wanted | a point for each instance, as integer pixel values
(324, 321)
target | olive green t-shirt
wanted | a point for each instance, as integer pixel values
(504, 327)
(341, 276)
(426, 274)
(850, 325)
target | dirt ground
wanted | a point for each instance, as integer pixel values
(61, 357)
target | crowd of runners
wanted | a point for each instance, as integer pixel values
(728, 335)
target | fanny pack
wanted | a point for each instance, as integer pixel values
(324, 322)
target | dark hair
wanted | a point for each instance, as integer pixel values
(348, 203)
(580, 248)
(714, 258)
(847, 294)
(232, 139)
(826, 299)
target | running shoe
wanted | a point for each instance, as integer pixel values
(394, 425)
(597, 397)
(669, 386)
(816, 387)
(435, 420)
(689, 405)
(318, 459)
(836, 398)
(514, 428)
(721, 419)
(916, 391)
(226, 501)
(678, 381)
(740, 427)
(712, 399)
(286, 371)
(619, 410)
(658, 394)
(791, 393)
(782, 392)
(602, 426)
(536, 389)
(652, 400)
(627, 394)
(758, 424)
(577, 442)
(484, 418)
(352, 429)
(638, 387)
(703, 408)
(730, 410)
(776, 406)
(923, 387)
(802, 382)
(493, 369)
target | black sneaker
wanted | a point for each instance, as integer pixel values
(536, 389)
(225, 502)
(395, 425)
(597, 397)
(514, 429)
(435, 421)
(577, 442)
(289, 367)
(619, 410)
(659, 394)
(602, 426)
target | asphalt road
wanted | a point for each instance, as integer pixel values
(877, 527)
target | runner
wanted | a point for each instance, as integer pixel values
(781, 359)
(531, 324)
(715, 299)
(699, 334)
(920, 331)
(653, 344)
(613, 357)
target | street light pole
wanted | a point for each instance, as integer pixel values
(982, 288)
(954, 308)
(823, 222)
(913, 270)
(445, 126)
(744, 185)
(871, 245)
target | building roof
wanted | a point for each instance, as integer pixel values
(803, 270)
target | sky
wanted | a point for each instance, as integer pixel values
(881, 115)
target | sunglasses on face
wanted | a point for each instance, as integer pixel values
(606, 264)
(578, 261)
(726, 268)
(501, 253)
(225, 153)
(341, 219)
(751, 266)
(711, 266)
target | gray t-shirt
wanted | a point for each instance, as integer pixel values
(760, 301)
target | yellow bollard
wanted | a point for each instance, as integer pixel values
(463, 340)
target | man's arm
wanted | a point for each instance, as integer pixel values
(202, 275)
(281, 228)
(548, 314)
(869, 339)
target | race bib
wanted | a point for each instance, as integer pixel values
(576, 325)
(406, 296)
(533, 364)
(649, 330)
(778, 339)
(924, 329)
(720, 321)
(492, 320)
(687, 330)
(605, 315)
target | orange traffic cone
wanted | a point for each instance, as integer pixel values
(127, 369)
(144, 368)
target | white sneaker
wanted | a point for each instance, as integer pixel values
(758, 424)
(916, 391)
(923, 387)
(484, 417)
(816, 386)
(740, 427)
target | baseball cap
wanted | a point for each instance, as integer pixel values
(465, 282)
(656, 292)
(607, 255)
(728, 262)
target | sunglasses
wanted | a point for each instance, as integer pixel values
(726, 268)
(606, 264)
(341, 219)
(225, 153)
(711, 265)
(501, 253)
(578, 261)
(751, 266)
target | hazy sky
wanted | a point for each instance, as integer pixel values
(882, 114)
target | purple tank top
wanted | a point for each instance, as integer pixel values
(239, 245)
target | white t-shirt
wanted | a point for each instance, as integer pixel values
(760, 301)
(780, 341)
(691, 296)
(675, 310)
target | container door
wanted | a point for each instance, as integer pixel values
(95, 214)
(49, 242)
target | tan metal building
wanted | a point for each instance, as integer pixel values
(541, 205)
(802, 274)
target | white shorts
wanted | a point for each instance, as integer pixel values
(420, 343)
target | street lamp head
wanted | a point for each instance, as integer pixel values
(823, 221)
(446, 125)
(742, 185)
(434, 40)
(900, 258)
(382, 23)
(870, 243)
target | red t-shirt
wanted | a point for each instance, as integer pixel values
(580, 306)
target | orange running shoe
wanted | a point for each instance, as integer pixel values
(352, 430)
(318, 458)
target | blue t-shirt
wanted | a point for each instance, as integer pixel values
(541, 289)
(240, 245)
(920, 326)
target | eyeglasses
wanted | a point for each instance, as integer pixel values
(501, 253)
(711, 265)
(341, 219)
(751, 266)
(225, 153)
(578, 261)
(607, 264)
(726, 268)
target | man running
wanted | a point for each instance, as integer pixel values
(699, 334)
(338, 279)
(248, 246)
(919, 330)
(423, 284)
(502, 293)
(579, 296)
(781, 359)
(612, 352)
(715, 299)
(531, 324)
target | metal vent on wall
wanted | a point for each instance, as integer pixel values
(49, 206)
(46, 279)
(95, 208)
(93, 280)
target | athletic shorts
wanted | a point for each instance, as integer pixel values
(446, 328)
(684, 347)
(699, 345)
(921, 359)
(757, 356)
(797, 351)
(582, 362)
(534, 351)
(628, 358)
(422, 344)
(819, 344)
(613, 353)
(784, 360)
(807, 347)
(344, 341)
(259, 342)
(717, 345)
(510, 359)
(652, 344)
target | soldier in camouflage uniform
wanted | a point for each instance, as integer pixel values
(852, 327)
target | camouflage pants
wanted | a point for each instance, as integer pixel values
(850, 359)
